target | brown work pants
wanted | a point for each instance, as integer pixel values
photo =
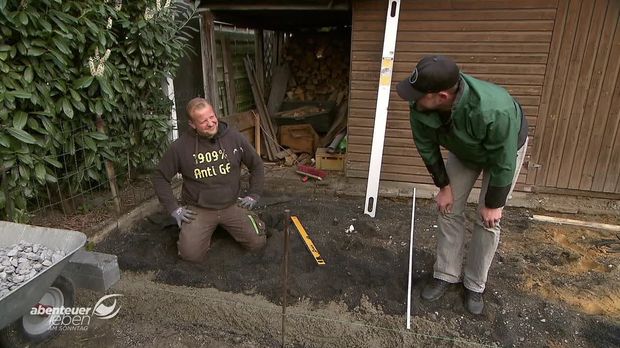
(195, 237)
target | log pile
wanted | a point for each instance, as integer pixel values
(319, 65)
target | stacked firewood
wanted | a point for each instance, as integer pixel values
(319, 65)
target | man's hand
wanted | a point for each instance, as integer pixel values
(183, 214)
(445, 200)
(247, 202)
(490, 216)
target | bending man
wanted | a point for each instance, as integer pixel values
(484, 130)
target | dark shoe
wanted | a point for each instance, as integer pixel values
(475, 303)
(434, 289)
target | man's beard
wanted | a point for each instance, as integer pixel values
(420, 108)
(207, 135)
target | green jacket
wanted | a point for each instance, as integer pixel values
(482, 131)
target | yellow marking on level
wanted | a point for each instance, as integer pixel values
(304, 235)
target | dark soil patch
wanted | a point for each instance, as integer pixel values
(373, 254)
(371, 262)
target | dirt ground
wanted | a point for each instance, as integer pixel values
(549, 286)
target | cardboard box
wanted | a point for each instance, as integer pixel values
(329, 161)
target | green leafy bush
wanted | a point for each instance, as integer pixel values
(63, 64)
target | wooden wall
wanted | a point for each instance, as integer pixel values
(577, 140)
(503, 41)
(559, 58)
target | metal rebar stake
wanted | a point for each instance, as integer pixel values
(287, 214)
(410, 262)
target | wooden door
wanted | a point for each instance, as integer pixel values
(577, 140)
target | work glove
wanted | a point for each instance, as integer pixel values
(247, 202)
(182, 214)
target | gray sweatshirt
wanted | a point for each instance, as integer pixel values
(211, 169)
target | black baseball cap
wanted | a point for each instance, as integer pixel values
(432, 74)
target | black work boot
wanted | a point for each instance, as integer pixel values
(474, 302)
(434, 289)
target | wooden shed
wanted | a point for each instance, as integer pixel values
(559, 58)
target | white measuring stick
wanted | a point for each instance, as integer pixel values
(383, 100)
(410, 263)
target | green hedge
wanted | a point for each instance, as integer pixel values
(62, 63)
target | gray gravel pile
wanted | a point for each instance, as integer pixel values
(23, 261)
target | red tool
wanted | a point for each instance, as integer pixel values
(311, 172)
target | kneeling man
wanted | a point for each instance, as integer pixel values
(209, 158)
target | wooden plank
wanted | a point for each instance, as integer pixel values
(268, 128)
(257, 139)
(500, 79)
(338, 125)
(460, 4)
(460, 58)
(231, 90)
(367, 131)
(552, 102)
(581, 223)
(418, 174)
(460, 15)
(400, 109)
(567, 97)
(422, 179)
(576, 112)
(388, 150)
(367, 140)
(497, 78)
(613, 172)
(387, 159)
(390, 168)
(600, 154)
(405, 67)
(498, 69)
(363, 94)
(279, 84)
(569, 192)
(612, 180)
(397, 151)
(393, 133)
(403, 123)
(480, 24)
(593, 95)
(610, 137)
(463, 37)
(409, 44)
(523, 90)
(391, 123)
(259, 60)
(550, 74)
(358, 111)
